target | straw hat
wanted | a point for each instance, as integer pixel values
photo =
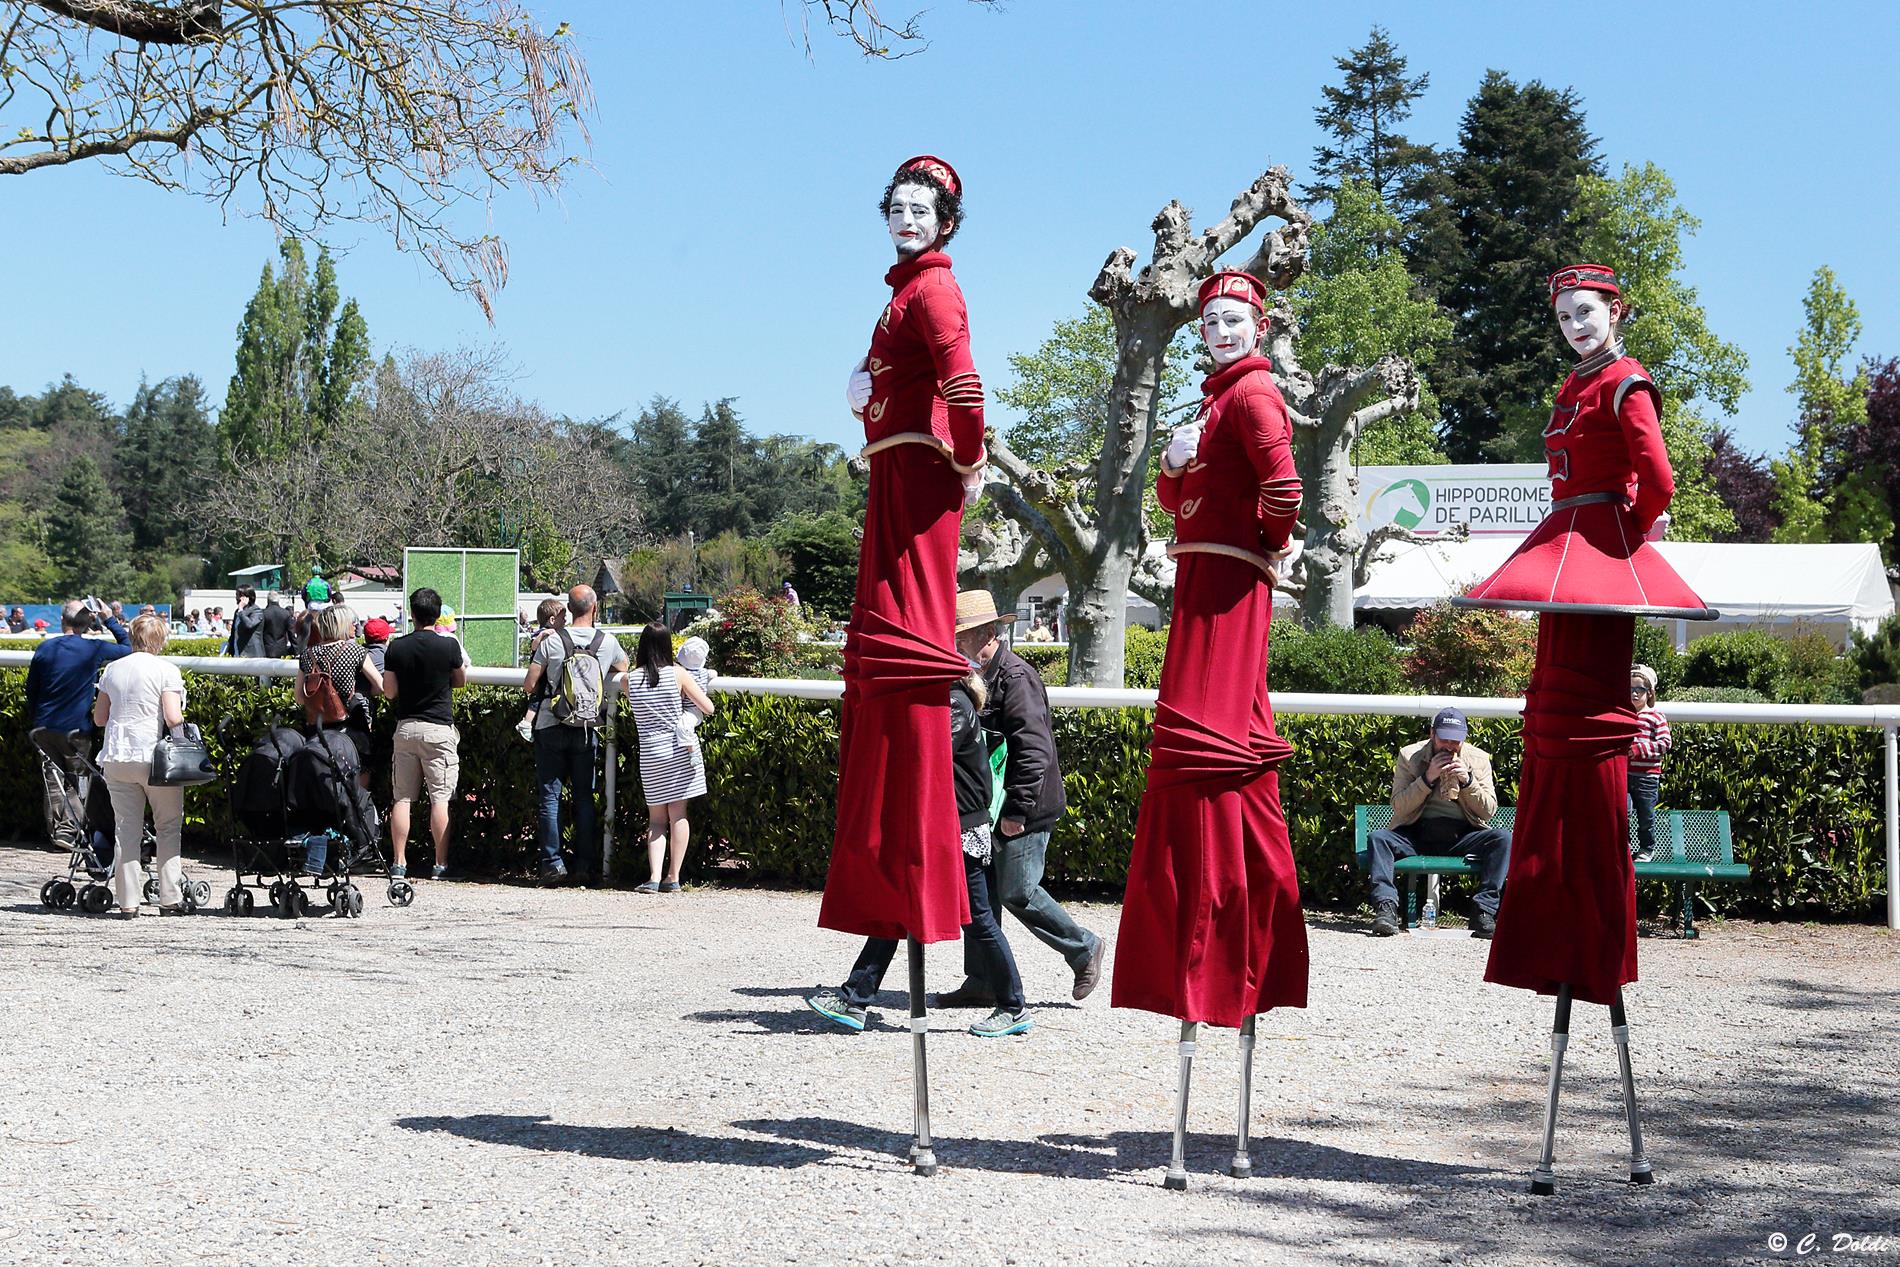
(976, 607)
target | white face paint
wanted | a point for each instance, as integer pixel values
(913, 219)
(1230, 328)
(1584, 317)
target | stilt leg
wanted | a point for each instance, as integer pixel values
(1640, 1170)
(1242, 1165)
(1544, 1178)
(923, 1157)
(1177, 1164)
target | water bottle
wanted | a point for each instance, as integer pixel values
(1428, 920)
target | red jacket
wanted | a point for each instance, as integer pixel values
(1241, 489)
(922, 377)
(1604, 436)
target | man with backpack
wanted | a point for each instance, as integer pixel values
(578, 663)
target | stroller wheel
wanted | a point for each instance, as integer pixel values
(64, 895)
(94, 899)
(348, 901)
(277, 893)
(46, 894)
(188, 898)
(245, 902)
(401, 892)
(201, 891)
(231, 901)
(295, 905)
(151, 889)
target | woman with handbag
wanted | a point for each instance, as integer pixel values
(141, 697)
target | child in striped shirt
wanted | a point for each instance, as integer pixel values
(1646, 754)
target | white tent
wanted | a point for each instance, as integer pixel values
(1833, 587)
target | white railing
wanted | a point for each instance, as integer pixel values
(1885, 717)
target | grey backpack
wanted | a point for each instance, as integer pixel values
(576, 700)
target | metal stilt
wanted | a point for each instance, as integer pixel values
(1177, 1164)
(923, 1157)
(1242, 1165)
(1640, 1170)
(1544, 1178)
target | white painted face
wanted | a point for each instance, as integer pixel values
(1230, 328)
(913, 219)
(1585, 319)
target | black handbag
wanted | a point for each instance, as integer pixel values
(181, 758)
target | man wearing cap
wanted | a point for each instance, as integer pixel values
(1017, 716)
(1442, 797)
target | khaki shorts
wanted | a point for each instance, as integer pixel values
(426, 758)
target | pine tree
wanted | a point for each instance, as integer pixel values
(85, 534)
(1362, 116)
(1503, 227)
(164, 462)
(721, 458)
(661, 467)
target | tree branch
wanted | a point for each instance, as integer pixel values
(1039, 490)
(194, 22)
(1385, 535)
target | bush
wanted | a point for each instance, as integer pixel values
(1331, 660)
(1470, 651)
(1143, 651)
(755, 636)
(179, 646)
(1716, 695)
(1749, 659)
(1050, 663)
(1876, 657)
(1656, 648)
(1814, 674)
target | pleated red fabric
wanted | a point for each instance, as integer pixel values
(1211, 928)
(897, 860)
(1568, 914)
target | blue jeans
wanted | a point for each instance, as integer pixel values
(1434, 838)
(1018, 865)
(982, 935)
(565, 755)
(1645, 791)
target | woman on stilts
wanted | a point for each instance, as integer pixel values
(1211, 927)
(1567, 923)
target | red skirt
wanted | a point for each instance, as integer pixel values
(1211, 927)
(897, 856)
(1588, 558)
(1568, 915)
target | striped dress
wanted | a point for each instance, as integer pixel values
(669, 769)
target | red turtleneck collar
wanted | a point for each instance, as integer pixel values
(904, 270)
(1220, 380)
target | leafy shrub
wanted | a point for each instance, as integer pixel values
(1332, 660)
(1656, 648)
(1748, 658)
(1813, 674)
(1717, 695)
(1143, 651)
(755, 636)
(1876, 656)
(1050, 663)
(178, 646)
(1470, 651)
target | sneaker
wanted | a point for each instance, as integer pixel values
(669, 886)
(1483, 924)
(969, 994)
(1643, 855)
(438, 872)
(399, 871)
(833, 1006)
(556, 874)
(525, 728)
(1089, 975)
(1002, 1023)
(648, 887)
(1386, 922)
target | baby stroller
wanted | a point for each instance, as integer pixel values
(305, 823)
(79, 820)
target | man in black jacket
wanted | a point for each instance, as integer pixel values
(276, 629)
(1033, 800)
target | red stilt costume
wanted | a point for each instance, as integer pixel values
(896, 862)
(1567, 922)
(1211, 927)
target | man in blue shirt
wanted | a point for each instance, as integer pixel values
(64, 671)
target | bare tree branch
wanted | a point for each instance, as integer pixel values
(190, 23)
(862, 22)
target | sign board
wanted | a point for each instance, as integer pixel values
(1496, 499)
(481, 586)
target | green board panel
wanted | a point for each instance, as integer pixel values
(490, 640)
(480, 585)
(490, 585)
(439, 570)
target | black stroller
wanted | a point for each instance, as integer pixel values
(79, 820)
(304, 826)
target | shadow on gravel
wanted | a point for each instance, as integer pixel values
(1119, 1155)
(620, 1143)
(788, 1020)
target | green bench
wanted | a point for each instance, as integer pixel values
(1693, 846)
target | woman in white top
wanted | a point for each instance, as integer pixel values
(672, 771)
(140, 697)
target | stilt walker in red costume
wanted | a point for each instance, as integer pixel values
(1567, 924)
(1211, 927)
(897, 861)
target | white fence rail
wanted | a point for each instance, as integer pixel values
(1884, 717)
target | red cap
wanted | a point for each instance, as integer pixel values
(936, 169)
(376, 629)
(1584, 277)
(1233, 284)
(39, 624)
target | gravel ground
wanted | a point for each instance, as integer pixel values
(513, 1076)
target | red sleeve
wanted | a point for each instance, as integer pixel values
(1655, 484)
(1168, 491)
(945, 327)
(1267, 436)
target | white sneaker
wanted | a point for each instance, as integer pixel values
(525, 728)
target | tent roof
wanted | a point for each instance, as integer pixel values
(1744, 581)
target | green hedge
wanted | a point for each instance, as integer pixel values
(175, 646)
(1806, 800)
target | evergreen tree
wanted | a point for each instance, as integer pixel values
(1818, 497)
(1503, 226)
(165, 460)
(85, 534)
(1362, 116)
(661, 467)
(720, 461)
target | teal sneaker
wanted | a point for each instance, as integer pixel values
(835, 1007)
(1002, 1023)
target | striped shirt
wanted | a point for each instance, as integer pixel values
(1652, 740)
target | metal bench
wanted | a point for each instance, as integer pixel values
(1692, 846)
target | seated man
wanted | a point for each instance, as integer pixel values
(1442, 797)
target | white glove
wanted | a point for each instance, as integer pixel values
(857, 389)
(1182, 446)
(1659, 529)
(972, 487)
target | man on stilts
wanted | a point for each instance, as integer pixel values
(1211, 927)
(897, 867)
(1567, 923)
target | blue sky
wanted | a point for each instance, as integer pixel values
(735, 183)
